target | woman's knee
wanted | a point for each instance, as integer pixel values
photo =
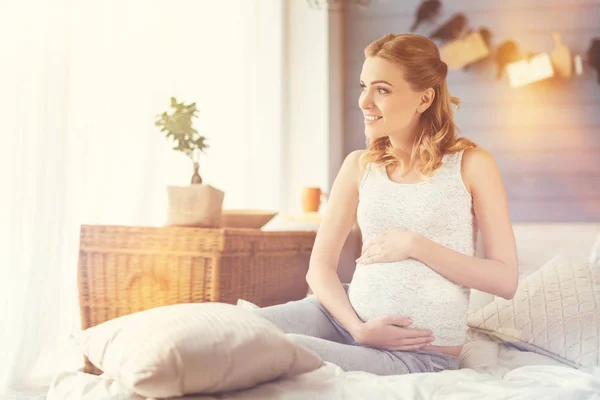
(321, 347)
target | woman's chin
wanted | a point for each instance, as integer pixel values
(372, 134)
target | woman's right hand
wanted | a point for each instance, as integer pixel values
(392, 333)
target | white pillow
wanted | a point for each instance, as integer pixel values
(553, 313)
(193, 348)
(479, 299)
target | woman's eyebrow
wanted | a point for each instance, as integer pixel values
(380, 81)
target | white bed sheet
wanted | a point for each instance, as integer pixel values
(489, 370)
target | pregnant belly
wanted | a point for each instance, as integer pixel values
(410, 288)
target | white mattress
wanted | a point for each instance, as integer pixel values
(489, 370)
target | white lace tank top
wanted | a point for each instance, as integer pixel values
(439, 208)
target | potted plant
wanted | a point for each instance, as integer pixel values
(197, 204)
(179, 127)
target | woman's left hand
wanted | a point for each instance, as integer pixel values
(393, 245)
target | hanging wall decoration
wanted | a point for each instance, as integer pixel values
(463, 48)
(486, 36)
(467, 50)
(561, 58)
(506, 53)
(593, 56)
(578, 64)
(452, 29)
(533, 69)
(427, 11)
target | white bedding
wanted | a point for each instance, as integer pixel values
(489, 371)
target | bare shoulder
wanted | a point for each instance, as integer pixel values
(477, 157)
(353, 165)
(478, 164)
(354, 156)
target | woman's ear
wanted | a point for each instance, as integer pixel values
(426, 99)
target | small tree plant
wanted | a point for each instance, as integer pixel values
(179, 128)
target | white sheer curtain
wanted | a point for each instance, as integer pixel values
(81, 84)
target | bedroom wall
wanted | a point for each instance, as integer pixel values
(545, 137)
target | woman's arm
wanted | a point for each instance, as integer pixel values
(337, 222)
(498, 272)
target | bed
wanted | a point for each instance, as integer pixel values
(490, 368)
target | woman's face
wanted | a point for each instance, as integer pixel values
(389, 105)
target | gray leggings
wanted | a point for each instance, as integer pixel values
(309, 324)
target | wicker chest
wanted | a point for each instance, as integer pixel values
(126, 269)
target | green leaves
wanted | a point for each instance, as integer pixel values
(201, 144)
(178, 127)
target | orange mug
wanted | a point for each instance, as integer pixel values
(311, 199)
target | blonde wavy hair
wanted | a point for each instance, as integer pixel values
(420, 61)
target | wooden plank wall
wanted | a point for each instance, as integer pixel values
(545, 137)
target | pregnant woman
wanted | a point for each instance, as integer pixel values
(420, 194)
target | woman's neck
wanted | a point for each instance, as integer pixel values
(404, 146)
(404, 141)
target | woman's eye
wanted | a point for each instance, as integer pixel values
(380, 90)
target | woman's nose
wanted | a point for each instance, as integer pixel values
(365, 100)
